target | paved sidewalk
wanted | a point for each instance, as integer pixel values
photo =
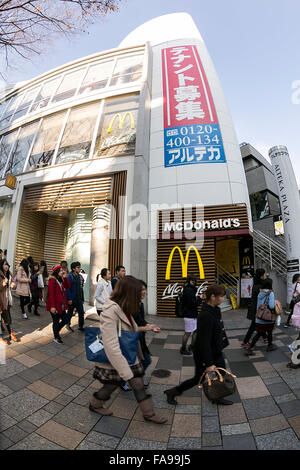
(45, 389)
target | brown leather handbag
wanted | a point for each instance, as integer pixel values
(218, 387)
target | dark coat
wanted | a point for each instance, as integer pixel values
(140, 321)
(190, 302)
(252, 308)
(211, 337)
(114, 281)
(36, 291)
(74, 293)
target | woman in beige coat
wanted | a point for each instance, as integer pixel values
(119, 310)
(23, 285)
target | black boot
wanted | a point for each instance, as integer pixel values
(171, 393)
(222, 401)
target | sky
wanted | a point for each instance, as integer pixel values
(255, 47)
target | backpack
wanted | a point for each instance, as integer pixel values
(179, 306)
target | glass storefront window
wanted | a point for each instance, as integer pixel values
(127, 69)
(19, 154)
(25, 104)
(259, 205)
(46, 140)
(14, 103)
(117, 129)
(45, 93)
(77, 137)
(68, 86)
(96, 77)
(6, 144)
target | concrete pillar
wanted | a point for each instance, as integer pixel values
(99, 245)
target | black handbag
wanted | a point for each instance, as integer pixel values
(218, 387)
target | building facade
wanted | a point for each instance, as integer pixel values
(128, 157)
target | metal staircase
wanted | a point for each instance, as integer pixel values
(270, 252)
(231, 285)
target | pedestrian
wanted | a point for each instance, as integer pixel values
(6, 284)
(75, 296)
(143, 327)
(265, 296)
(295, 287)
(45, 274)
(296, 307)
(23, 285)
(64, 266)
(120, 272)
(36, 291)
(103, 289)
(260, 275)
(57, 302)
(118, 312)
(82, 281)
(190, 304)
(210, 340)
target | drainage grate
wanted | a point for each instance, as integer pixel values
(161, 373)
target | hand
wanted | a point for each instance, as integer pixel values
(210, 368)
(70, 302)
(53, 310)
(156, 329)
(5, 281)
(13, 285)
(38, 273)
(29, 280)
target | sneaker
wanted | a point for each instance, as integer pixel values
(4, 341)
(146, 383)
(287, 325)
(125, 387)
(265, 340)
(245, 345)
(25, 315)
(81, 328)
(184, 352)
(69, 328)
(58, 340)
(271, 347)
(13, 337)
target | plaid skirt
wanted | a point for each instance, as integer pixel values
(111, 376)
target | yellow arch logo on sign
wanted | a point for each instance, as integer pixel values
(246, 260)
(10, 181)
(184, 262)
(121, 120)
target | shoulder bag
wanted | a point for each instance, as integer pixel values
(95, 350)
(218, 387)
(264, 312)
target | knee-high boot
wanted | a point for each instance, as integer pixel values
(96, 405)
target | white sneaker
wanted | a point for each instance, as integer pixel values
(25, 315)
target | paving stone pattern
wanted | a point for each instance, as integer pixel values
(45, 390)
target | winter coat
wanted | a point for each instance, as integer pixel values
(252, 309)
(109, 326)
(102, 293)
(74, 292)
(211, 337)
(23, 286)
(57, 296)
(190, 302)
(5, 292)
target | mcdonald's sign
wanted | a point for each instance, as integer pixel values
(10, 181)
(246, 261)
(184, 262)
(121, 120)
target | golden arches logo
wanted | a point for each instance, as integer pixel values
(246, 260)
(184, 262)
(10, 181)
(121, 120)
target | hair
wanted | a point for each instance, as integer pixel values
(128, 294)
(25, 265)
(2, 263)
(104, 272)
(295, 278)
(258, 275)
(191, 277)
(118, 268)
(143, 283)
(75, 264)
(1, 251)
(45, 272)
(64, 262)
(36, 264)
(215, 290)
(55, 274)
(267, 283)
(30, 260)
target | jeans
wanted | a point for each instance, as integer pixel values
(199, 369)
(79, 308)
(24, 301)
(59, 320)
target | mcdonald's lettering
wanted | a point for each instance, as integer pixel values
(246, 260)
(10, 181)
(121, 120)
(184, 262)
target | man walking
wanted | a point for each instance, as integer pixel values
(74, 296)
(120, 272)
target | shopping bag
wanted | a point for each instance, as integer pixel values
(40, 281)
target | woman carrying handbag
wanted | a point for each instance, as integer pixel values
(117, 315)
(6, 284)
(57, 302)
(211, 339)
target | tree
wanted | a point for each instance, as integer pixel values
(25, 25)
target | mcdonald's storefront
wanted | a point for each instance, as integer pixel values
(210, 246)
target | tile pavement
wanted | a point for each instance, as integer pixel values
(45, 390)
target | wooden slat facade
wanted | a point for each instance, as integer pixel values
(30, 236)
(166, 307)
(115, 256)
(54, 247)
